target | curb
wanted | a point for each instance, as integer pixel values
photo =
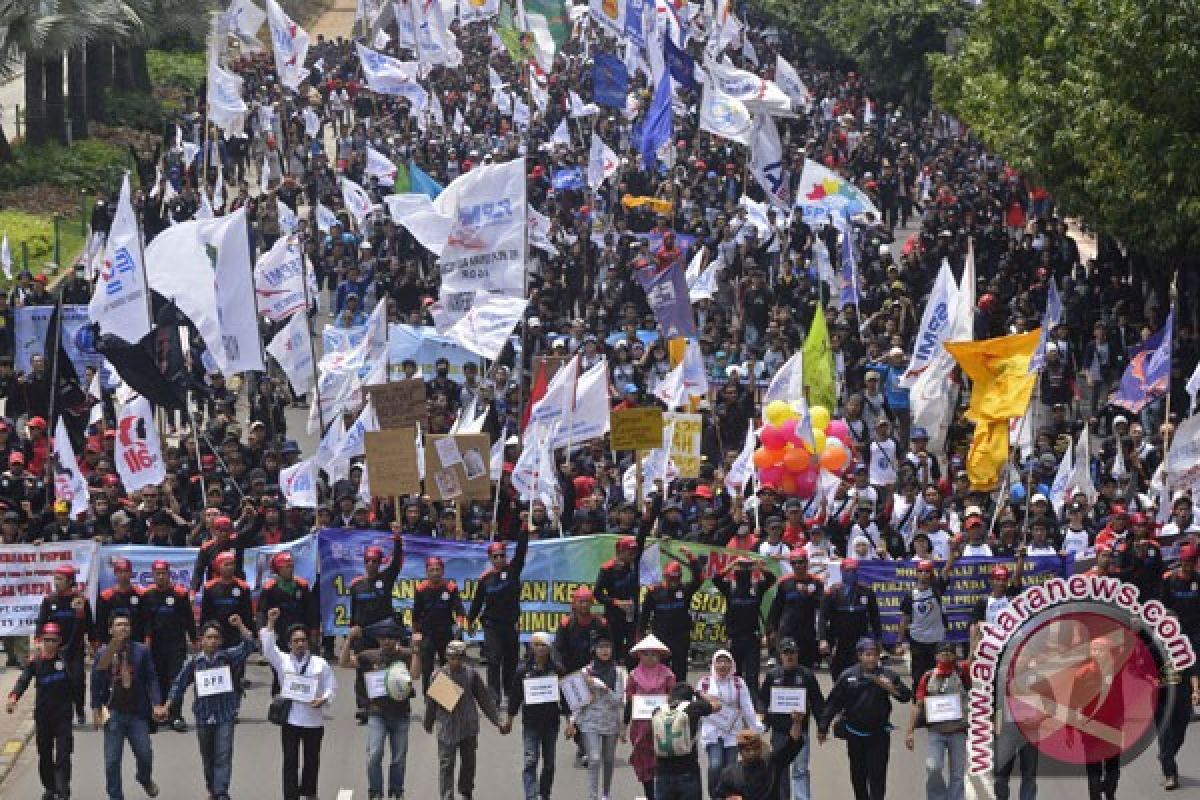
(11, 750)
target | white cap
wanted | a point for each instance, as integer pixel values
(1117, 420)
(534, 322)
(1039, 497)
(884, 250)
(1051, 347)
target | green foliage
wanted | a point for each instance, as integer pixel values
(888, 40)
(134, 110)
(88, 164)
(33, 235)
(177, 68)
(1097, 100)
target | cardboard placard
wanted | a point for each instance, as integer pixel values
(444, 691)
(451, 481)
(686, 442)
(399, 404)
(637, 429)
(392, 462)
(575, 690)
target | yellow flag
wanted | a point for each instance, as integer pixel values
(818, 364)
(999, 371)
(988, 454)
(658, 205)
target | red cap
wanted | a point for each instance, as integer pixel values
(1119, 511)
(537, 171)
(51, 628)
(582, 593)
(223, 558)
(373, 552)
(112, 480)
(1000, 571)
(16, 458)
(37, 422)
(849, 563)
(66, 570)
(223, 523)
(1187, 552)
(122, 563)
(705, 491)
(434, 561)
(925, 564)
(1138, 518)
(161, 564)
(626, 543)
(496, 547)
(280, 559)
(673, 569)
(110, 434)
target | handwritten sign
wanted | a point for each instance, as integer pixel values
(685, 442)
(392, 462)
(785, 700)
(217, 680)
(645, 704)
(637, 429)
(399, 404)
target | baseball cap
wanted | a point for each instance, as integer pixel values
(788, 645)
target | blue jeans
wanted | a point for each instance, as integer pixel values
(119, 728)
(940, 747)
(394, 731)
(719, 757)
(678, 787)
(801, 788)
(216, 755)
(538, 740)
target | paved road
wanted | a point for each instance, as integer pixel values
(257, 763)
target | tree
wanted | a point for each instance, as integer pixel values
(888, 40)
(1096, 100)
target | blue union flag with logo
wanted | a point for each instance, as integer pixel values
(1149, 370)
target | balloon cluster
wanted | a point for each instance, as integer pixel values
(791, 465)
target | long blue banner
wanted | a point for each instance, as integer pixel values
(183, 560)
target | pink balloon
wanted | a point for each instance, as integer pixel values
(771, 476)
(837, 429)
(773, 437)
(788, 428)
(806, 483)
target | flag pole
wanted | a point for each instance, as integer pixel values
(312, 345)
(57, 333)
(1167, 427)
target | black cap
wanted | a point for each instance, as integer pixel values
(788, 645)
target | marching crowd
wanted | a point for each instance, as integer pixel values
(942, 198)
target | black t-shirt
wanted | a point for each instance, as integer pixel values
(761, 781)
(682, 765)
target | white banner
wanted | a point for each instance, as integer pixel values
(237, 314)
(589, 417)
(1183, 459)
(138, 454)
(766, 163)
(299, 485)
(486, 326)
(27, 576)
(379, 166)
(485, 249)
(290, 44)
(384, 74)
(755, 92)
(936, 324)
(791, 84)
(602, 162)
(292, 348)
(32, 328)
(357, 201)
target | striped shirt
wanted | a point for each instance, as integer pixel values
(218, 708)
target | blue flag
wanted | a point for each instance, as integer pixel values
(1054, 310)
(681, 66)
(634, 24)
(610, 81)
(849, 280)
(667, 293)
(569, 178)
(656, 130)
(420, 182)
(1149, 370)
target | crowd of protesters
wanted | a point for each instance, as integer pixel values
(940, 194)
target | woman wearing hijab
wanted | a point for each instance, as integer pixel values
(600, 721)
(719, 730)
(649, 677)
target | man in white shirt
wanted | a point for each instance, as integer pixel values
(973, 525)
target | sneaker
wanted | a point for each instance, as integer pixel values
(151, 788)
(1171, 782)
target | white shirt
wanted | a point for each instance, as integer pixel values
(977, 550)
(301, 715)
(1075, 541)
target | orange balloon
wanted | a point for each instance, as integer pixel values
(765, 457)
(787, 484)
(796, 459)
(835, 456)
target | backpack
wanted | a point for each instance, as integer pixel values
(672, 731)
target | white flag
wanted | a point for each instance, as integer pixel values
(264, 175)
(312, 123)
(299, 485)
(539, 231)
(766, 163)
(477, 10)
(494, 79)
(459, 122)
(435, 43)
(1081, 479)
(354, 443)
(561, 135)
(486, 326)
(357, 202)
(205, 211)
(416, 213)
(384, 74)
(964, 321)
(602, 163)
(120, 305)
(930, 398)
(292, 349)
(755, 92)
(219, 189)
(288, 221)
(138, 454)
(789, 80)
(69, 484)
(535, 475)
(381, 167)
(787, 385)
(6, 257)
(485, 207)
(497, 458)
(520, 114)
(743, 466)
(725, 115)
(279, 280)
(326, 219)
(936, 324)
(580, 108)
(748, 51)
(244, 18)
(327, 457)
(229, 241)
(1183, 459)
(226, 107)
(1062, 479)
(1193, 384)
(589, 415)
(291, 46)
(702, 281)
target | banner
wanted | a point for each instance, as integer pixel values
(119, 304)
(138, 455)
(32, 324)
(568, 178)
(485, 251)
(423, 345)
(183, 559)
(610, 14)
(554, 568)
(27, 575)
(667, 293)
